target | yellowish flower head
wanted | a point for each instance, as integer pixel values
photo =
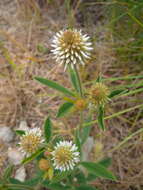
(71, 47)
(99, 93)
(65, 155)
(31, 141)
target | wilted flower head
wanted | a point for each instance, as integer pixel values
(65, 155)
(30, 141)
(71, 47)
(99, 93)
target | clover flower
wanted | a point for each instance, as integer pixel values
(71, 47)
(30, 141)
(99, 93)
(65, 155)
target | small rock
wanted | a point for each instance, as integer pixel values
(15, 157)
(23, 126)
(20, 174)
(6, 134)
(87, 147)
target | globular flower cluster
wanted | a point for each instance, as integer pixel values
(65, 155)
(71, 47)
(99, 94)
(30, 141)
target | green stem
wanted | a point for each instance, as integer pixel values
(19, 186)
(114, 115)
(79, 81)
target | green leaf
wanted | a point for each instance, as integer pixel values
(99, 79)
(8, 172)
(48, 129)
(65, 108)
(55, 86)
(20, 132)
(117, 92)
(42, 49)
(85, 132)
(85, 187)
(33, 156)
(74, 79)
(78, 140)
(99, 170)
(105, 163)
(79, 175)
(101, 117)
(15, 181)
(60, 176)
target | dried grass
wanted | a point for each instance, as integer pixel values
(22, 98)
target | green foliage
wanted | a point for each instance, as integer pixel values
(64, 109)
(55, 86)
(20, 132)
(101, 117)
(99, 170)
(85, 187)
(33, 156)
(74, 79)
(85, 131)
(59, 176)
(42, 49)
(48, 129)
(105, 163)
(117, 92)
(8, 172)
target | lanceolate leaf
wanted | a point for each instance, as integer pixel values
(99, 79)
(74, 79)
(101, 117)
(86, 187)
(65, 108)
(33, 156)
(20, 132)
(99, 170)
(48, 129)
(55, 86)
(78, 140)
(85, 132)
(117, 92)
(105, 163)
(60, 176)
(8, 172)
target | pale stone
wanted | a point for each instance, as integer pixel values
(87, 148)
(23, 126)
(6, 134)
(15, 157)
(20, 174)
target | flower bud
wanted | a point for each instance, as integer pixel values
(80, 104)
(44, 164)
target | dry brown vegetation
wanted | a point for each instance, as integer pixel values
(25, 37)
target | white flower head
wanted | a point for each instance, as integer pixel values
(65, 155)
(31, 141)
(71, 47)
